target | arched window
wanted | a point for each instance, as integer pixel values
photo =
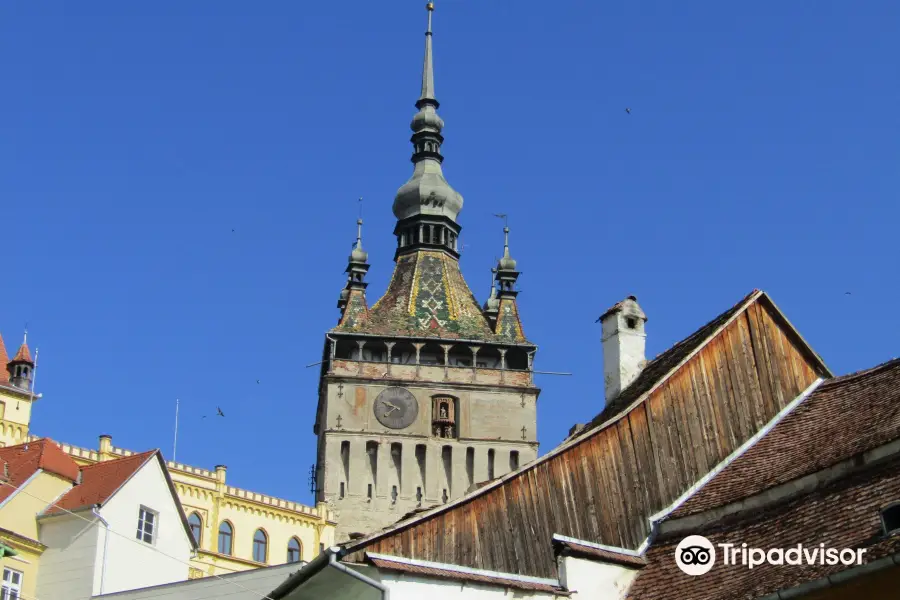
(260, 546)
(294, 550)
(226, 535)
(196, 524)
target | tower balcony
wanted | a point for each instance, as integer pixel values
(449, 373)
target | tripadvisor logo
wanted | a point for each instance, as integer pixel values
(696, 555)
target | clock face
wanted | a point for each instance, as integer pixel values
(396, 408)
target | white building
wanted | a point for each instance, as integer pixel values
(119, 527)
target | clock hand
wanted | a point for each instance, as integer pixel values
(391, 410)
(388, 404)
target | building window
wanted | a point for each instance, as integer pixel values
(146, 529)
(226, 534)
(260, 546)
(890, 516)
(490, 464)
(12, 585)
(513, 460)
(295, 549)
(196, 525)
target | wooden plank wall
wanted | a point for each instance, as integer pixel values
(605, 489)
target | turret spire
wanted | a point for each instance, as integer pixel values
(427, 194)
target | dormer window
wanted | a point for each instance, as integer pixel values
(631, 322)
(890, 518)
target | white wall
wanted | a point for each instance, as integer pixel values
(131, 563)
(406, 587)
(67, 565)
(592, 580)
(246, 585)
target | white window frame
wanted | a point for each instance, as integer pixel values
(142, 523)
(8, 589)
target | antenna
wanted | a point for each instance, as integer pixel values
(360, 201)
(175, 443)
(33, 376)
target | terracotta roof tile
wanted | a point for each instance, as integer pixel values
(99, 481)
(619, 558)
(23, 355)
(844, 417)
(434, 571)
(845, 514)
(23, 460)
(4, 360)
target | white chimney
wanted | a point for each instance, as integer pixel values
(623, 340)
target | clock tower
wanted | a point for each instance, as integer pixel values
(425, 394)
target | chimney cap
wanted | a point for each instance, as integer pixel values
(629, 304)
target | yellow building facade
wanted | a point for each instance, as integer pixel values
(206, 497)
(19, 529)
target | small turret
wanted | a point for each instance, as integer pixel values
(506, 322)
(21, 367)
(352, 302)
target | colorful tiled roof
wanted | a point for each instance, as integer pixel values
(23, 460)
(428, 297)
(844, 417)
(99, 482)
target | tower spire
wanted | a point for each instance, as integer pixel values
(428, 68)
(427, 195)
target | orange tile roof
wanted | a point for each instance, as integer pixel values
(23, 460)
(4, 360)
(99, 482)
(23, 355)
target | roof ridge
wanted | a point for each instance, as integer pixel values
(886, 365)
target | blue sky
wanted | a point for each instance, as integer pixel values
(761, 151)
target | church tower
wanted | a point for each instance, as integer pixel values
(425, 394)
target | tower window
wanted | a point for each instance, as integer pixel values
(444, 496)
(394, 494)
(631, 322)
(419, 495)
(514, 460)
(260, 546)
(369, 492)
(490, 464)
(342, 492)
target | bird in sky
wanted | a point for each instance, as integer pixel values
(257, 382)
(628, 110)
(847, 294)
(219, 412)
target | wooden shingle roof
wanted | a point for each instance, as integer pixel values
(692, 408)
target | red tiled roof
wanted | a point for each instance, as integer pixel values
(23, 460)
(844, 514)
(619, 558)
(23, 355)
(99, 482)
(4, 360)
(844, 417)
(434, 571)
